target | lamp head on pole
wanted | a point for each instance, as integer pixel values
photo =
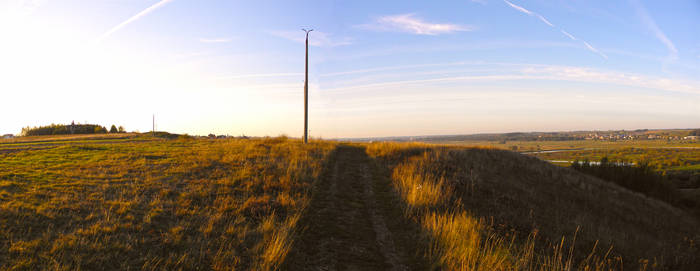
(307, 32)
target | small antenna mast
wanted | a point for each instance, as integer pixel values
(306, 88)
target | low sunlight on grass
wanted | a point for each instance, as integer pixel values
(156, 204)
(486, 209)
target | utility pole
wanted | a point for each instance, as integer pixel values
(306, 89)
(153, 130)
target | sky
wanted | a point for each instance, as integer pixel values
(376, 68)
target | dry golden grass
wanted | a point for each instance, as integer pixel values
(237, 204)
(166, 204)
(485, 209)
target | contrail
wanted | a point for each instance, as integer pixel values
(133, 18)
(544, 20)
(519, 8)
(594, 50)
(526, 11)
(567, 34)
(654, 28)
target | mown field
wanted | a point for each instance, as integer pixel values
(150, 203)
(153, 204)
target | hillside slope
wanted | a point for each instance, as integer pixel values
(512, 194)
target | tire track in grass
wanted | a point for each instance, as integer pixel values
(344, 227)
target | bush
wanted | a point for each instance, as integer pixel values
(640, 178)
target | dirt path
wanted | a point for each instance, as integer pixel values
(346, 225)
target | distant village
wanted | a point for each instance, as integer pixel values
(642, 134)
(638, 135)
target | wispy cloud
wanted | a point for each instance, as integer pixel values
(654, 28)
(22, 7)
(260, 75)
(390, 68)
(316, 38)
(215, 40)
(515, 71)
(409, 23)
(133, 19)
(569, 73)
(544, 20)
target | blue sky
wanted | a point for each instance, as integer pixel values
(377, 68)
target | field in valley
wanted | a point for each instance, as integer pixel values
(141, 202)
(663, 155)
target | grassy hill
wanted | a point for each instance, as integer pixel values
(511, 206)
(164, 203)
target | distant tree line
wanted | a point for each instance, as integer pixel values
(640, 178)
(535, 136)
(695, 132)
(61, 129)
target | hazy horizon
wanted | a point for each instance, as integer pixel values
(376, 69)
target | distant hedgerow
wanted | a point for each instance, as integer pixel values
(61, 129)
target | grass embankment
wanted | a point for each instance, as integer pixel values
(161, 204)
(485, 209)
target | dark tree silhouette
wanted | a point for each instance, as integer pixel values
(640, 177)
(60, 129)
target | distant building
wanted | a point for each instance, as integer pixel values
(8, 136)
(692, 137)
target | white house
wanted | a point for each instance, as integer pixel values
(8, 136)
